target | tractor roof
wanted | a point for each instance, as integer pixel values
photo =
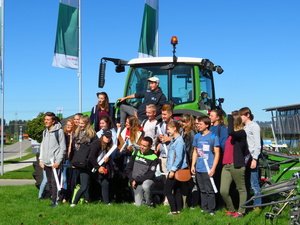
(165, 60)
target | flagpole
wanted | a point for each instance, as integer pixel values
(79, 72)
(157, 24)
(2, 86)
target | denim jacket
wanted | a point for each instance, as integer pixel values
(176, 158)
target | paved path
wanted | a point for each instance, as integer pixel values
(13, 152)
(15, 182)
(19, 165)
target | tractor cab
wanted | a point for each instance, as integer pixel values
(188, 83)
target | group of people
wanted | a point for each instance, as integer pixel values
(125, 160)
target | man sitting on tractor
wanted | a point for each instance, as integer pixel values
(153, 95)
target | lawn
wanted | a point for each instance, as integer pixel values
(19, 205)
(24, 173)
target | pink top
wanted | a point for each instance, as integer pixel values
(228, 153)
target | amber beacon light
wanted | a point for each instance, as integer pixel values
(174, 40)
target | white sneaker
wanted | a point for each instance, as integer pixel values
(72, 205)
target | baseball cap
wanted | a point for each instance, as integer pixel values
(107, 133)
(153, 79)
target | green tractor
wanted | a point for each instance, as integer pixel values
(182, 79)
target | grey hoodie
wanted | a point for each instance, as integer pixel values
(50, 148)
(253, 139)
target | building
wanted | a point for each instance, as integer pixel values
(286, 124)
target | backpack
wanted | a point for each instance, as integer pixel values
(56, 134)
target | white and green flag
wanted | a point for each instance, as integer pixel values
(67, 35)
(148, 46)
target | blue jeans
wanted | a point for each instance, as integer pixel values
(66, 167)
(43, 184)
(254, 180)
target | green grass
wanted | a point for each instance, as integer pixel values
(19, 205)
(24, 173)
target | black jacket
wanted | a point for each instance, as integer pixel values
(142, 167)
(81, 152)
(96, 151)
(156, 97)
(188, 140)
(239, 142)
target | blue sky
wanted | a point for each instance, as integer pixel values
(256, 42)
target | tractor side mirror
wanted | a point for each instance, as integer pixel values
(101, 80)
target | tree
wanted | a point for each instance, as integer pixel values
(267, 132)
(35, 127)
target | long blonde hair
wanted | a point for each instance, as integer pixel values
(89, 130)
(134, 128)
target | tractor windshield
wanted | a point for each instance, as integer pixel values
(182, 84)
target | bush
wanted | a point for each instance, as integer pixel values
(35, 128)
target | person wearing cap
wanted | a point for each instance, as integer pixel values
(102, 173)
(99, 110)
(107, 124)
(153, 95)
